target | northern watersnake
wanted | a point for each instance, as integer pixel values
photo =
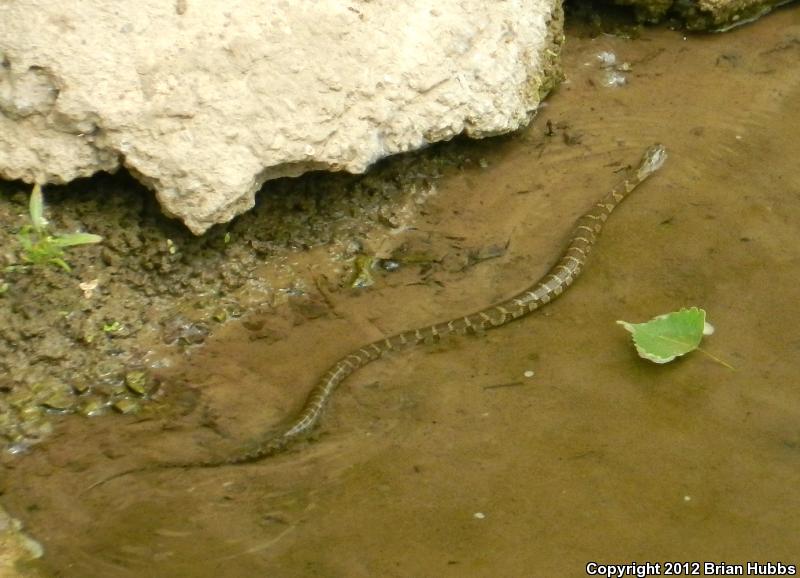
(550, 286)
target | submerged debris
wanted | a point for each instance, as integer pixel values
(16, 547)
(614, 73)
(362, 268)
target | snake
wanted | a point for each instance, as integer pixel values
(560, 276)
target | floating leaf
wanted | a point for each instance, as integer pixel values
(666, 337)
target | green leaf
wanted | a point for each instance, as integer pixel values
(36, 208)
(61, 263)
(112, 327)
(666, 337)
(72, 239)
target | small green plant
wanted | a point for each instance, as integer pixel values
(40, 247)
(112, 327)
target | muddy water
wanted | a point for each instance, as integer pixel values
(448, 460)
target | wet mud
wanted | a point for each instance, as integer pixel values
(529, 451)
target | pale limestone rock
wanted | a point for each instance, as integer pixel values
(204, 101)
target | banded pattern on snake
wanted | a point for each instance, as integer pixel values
(550, 286)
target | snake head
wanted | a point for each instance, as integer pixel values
(652, 160)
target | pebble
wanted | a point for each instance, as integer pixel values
(126, 406)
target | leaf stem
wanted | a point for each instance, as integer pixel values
(717, 359)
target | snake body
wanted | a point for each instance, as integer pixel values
(549, 287)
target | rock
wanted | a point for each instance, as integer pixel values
(722, 15)
(16, 548)
(713, 15)
(204, 101)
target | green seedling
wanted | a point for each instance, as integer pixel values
(40, 247)
(112, 327)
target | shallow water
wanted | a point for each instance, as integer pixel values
(448, 460)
